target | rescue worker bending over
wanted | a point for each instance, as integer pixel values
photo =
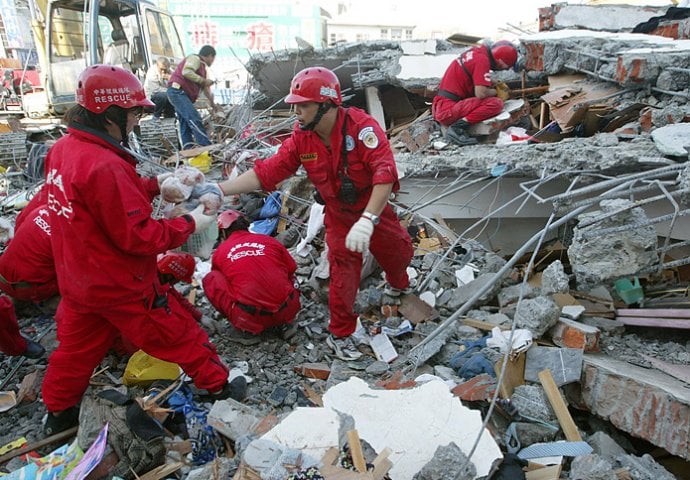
(252, 281)
(27, 273)
(348, 158)
(466, 94)
(105, 244)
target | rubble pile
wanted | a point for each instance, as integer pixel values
(546, 336)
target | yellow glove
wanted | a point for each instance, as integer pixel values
(502, 91)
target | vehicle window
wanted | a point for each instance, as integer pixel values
(67, 36)
(164, 38)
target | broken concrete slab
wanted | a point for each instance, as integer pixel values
(233, 419)
(673, 139)
(611, 18)
(644, 403)
(448, 421)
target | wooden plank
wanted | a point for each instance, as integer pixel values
(514, 374)
(655, 322)
(559, 406)
(547, 473)
(382, 464)
(161, 472)
(654, 312)
(356, 451)
(481, 325)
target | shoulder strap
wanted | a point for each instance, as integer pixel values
(344, 143)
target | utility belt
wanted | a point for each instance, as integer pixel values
(15, 284)
(447, 94)
(252, 310)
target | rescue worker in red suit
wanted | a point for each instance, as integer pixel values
(27, 273)
(348, 158)
(176, 267)
(105, 244)
(252, 281)
(466, 94)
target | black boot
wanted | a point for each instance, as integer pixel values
(60, 421)
(237, 390)
(33, 350)
(457, 134)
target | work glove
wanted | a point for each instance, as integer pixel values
(502, 91)
(201, 220)
(174, 190)
(210, 194)
(358, 237)
(6, 230)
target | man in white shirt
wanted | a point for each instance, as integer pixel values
(156, 87)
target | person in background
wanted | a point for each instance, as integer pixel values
(27, 273)
(466, 94)
(184, 86)
(105, 245)
(156, 88)
(348, 158)
(252, 281)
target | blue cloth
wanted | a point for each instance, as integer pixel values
(205, 441)
(476, 365)
(266, 226)
(471, 347)
(191, 127)
(271, 207)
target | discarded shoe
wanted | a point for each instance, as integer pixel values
(33, 350)
(344, 348)
(236, 389)
(243, 337)
(457, 134)
(60, 421)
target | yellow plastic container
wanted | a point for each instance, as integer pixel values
(201, 161)
(143, 369)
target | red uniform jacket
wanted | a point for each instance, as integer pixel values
(258, 268)
(28, 257)
(456, 81)
(370, 159)
(104, 239)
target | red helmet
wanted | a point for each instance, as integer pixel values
(179, 265)
(315, 84)
(100, 86)
(227, 218)
(505, 51)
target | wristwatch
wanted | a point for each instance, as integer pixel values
(375, 219)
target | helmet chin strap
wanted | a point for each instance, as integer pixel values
(323, 108)
(492, 60)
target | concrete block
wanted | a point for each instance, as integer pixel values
(565, 364)
(644, 403)
(571, 334)
(232, 418)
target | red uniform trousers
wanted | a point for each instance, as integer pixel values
(247, 317)
(473, 109)
(11, 342)
(390, 245)
(86, 335)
